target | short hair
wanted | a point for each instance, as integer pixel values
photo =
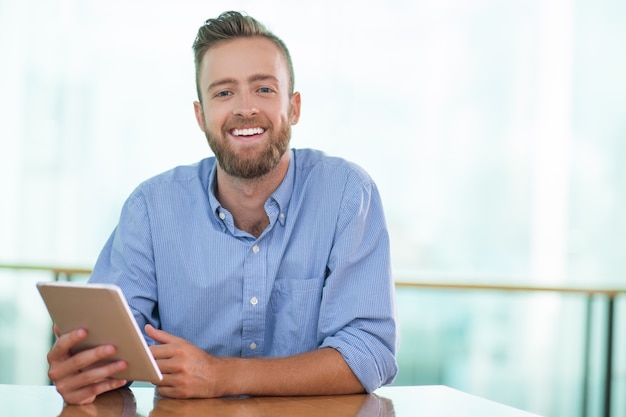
(231, 25)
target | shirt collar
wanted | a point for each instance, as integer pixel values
(280, 197)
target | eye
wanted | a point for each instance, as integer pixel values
(265, 90)
(223, 93)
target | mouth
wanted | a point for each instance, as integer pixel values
(249, 132)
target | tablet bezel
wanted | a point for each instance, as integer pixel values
(102, 310)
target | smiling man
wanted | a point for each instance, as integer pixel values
(262, 270)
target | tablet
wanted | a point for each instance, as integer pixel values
(102, 310)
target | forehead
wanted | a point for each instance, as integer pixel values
(239, 59)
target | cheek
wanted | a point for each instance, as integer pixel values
(281, 114)
(213, 119)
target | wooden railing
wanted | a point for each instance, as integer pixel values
(609, 295)
(58, 272)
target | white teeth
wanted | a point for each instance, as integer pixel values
(248, 132)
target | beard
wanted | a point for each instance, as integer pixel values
(249, 163)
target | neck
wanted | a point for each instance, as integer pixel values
(245, 198)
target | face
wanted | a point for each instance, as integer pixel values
(247, 109)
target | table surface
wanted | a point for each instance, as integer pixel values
(420, 401)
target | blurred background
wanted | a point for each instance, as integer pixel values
(495, 130)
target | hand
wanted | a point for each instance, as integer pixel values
(75, 376)
(188, 372)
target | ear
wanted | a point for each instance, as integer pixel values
(295, 107)
(197, 108)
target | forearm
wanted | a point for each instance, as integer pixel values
(320, 372)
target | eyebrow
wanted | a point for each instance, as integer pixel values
(252, 78)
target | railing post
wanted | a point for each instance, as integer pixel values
(586, 357)
(608, 386)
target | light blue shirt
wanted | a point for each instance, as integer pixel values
(318, 276)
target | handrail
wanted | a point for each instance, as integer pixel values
(57, 270)
(610, 292)
(443, 285)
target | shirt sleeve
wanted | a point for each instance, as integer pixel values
(127, 260)
(358, 303)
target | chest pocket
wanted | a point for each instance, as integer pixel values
(295, 309)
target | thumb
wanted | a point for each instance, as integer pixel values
(160, 335)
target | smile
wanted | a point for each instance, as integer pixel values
(248, 132)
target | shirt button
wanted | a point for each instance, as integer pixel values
(281, 215)
(254, 301)
(222, 215)
(255, 249)
(252, 346)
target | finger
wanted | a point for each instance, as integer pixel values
(168, 364)
(168, 351)
(166, 381)
(162, 336)
(56, 331)
(169, 391)
(88, 394)
(64, 367)
(89, 377)
(64, 343)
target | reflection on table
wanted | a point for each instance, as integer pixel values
(421, 401)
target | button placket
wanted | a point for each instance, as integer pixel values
(254, 306)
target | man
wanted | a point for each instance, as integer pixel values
(261, 271)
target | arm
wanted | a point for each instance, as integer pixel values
(189, 372)
(357, 312)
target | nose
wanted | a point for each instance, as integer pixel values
(246, 106)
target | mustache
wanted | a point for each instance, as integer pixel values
(241, 123)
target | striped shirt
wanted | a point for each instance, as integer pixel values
(318, 276)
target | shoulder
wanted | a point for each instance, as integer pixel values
(311, 162)
(182, 173)
(185, 178)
